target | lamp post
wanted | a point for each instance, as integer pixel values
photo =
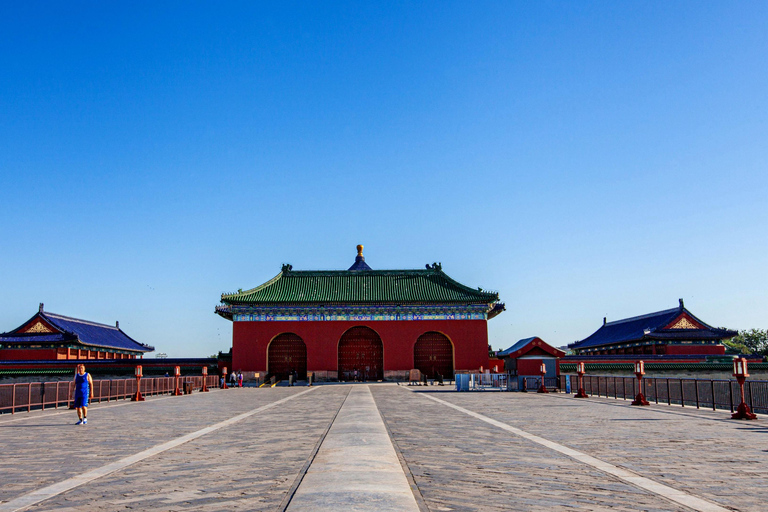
(743, 412)
(639, 372)
(581, 393)
(176, 374)
(138, 397)
(224, 374)
(543, 372)
(204, 389)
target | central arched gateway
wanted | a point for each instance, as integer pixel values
(360, 349)
(287, 353)
(433, 355)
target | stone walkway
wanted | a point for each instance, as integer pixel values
(242, 450)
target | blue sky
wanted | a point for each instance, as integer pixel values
(584, 159)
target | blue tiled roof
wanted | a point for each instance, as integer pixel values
(94, 334)
(649, 327)
(34, 338)
(359, 264)
(514, 348)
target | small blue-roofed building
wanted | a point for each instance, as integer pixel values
(672, 332)
(48, 336)
(524, 359)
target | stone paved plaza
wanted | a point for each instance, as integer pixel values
(240, 449)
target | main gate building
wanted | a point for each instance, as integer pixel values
(364, 323)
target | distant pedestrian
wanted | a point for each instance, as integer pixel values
(83, 393)
(221, 382)
(240, 379)
(233, 379)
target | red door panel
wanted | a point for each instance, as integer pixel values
(433, 355)
(286, 353)
(360, 349)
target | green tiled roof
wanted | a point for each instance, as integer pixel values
(371, 286)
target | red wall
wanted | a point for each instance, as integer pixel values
(251, 339)
(529, 366)
(27, 354)
(716, 350)
(498, 363)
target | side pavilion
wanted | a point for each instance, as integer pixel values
(48, 336)
(672, 332)
(360, 323)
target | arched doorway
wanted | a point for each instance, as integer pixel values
(287, 352)
(433, 355)
(361, 350)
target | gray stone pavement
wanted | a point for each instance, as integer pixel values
(701, 452)
(454, 461)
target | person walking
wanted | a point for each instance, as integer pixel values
(83, 393)
(233, 379)
(240, 379)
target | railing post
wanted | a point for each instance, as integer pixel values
(749, 385)
(669, 393)
(624, 388)
(29, 396)
(730, 393)
(57, 395)
(656, 389)
(714, 402)
(13, 400)
(682, 393)
(42, 395)
(696, 384)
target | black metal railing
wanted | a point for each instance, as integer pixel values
(700, 393)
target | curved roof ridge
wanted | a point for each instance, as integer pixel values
(640, 317)
(55, 316)
(256, 289)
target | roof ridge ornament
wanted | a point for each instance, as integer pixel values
(359, 263)
(434, 266)
(682, 305)
(287, 267)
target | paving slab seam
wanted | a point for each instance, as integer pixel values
(292, 491)
(670, 493)
(356, 468)
(34, 497)
(420, 501)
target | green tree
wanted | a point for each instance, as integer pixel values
(750, 341)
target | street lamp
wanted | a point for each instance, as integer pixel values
(543, 372)
(224, 374)
(580, 370)
(639, 372)
(743, 412)
(138, 397)
(204, 389)
(176, 374)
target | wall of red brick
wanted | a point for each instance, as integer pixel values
(24, 354)
(251, 339)
(716, 350)
(498, 363)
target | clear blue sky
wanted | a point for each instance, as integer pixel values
(585, 159)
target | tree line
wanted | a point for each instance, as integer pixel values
(749, 342)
